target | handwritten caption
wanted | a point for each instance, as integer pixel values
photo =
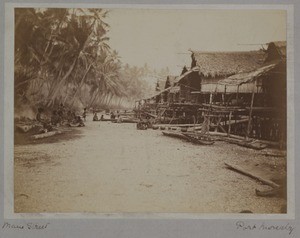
(27, 226)
(264, 226)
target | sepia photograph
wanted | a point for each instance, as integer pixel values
(148, 110)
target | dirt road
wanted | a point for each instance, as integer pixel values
(112, 167)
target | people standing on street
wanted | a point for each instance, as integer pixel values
(84, 114)
(95, 118)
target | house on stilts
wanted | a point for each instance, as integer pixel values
(253, 104)
(239, 93)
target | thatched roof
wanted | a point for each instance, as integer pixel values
(280, 46)
(224, 64)
(242, 78)
(176, 81)
(161, 83)
(172, 80)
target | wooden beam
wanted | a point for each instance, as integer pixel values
(250, 113)
(181, 125)
(275, 154)
(47, 134)
(225, 135)
(251, 175)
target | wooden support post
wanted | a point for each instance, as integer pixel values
(205, 125)
(237, 100)
(229, 123)
(218, 123)
(224, 95)
(250, 113)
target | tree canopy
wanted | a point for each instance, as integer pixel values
(63, 56)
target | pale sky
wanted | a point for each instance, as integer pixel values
(162, 38)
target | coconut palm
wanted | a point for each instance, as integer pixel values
(63, 55)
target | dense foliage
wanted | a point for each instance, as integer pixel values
(63, 56)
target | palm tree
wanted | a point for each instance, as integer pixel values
(106, 84)
(64, 55)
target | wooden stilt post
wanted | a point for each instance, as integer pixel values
(173, 115)
(250, 113)
(229, 123)
(237, 101)
(224, 95)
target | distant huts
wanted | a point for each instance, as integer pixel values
(168, 95)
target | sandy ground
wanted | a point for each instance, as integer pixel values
(108, 167)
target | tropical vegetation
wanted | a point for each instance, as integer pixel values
(62, 56)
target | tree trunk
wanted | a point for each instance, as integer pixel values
(57, 86)
(81, 83)
(94, 97)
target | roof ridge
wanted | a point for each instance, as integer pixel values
(227, 52)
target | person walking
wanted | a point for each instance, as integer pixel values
(84, 114)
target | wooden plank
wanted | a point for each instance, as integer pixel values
(179, 125)
(233, 122)
(275, 154)
(221, 134)
(223, 111)
(175, 135)
(252, 175)
(221, 107)
(253, 145)
(47, 134)
(263, 108)
(271, 143)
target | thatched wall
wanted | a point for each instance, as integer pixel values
(218, 88)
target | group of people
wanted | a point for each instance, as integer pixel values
(96, 118)
(113, 116)
(144, 123)
(60, 116)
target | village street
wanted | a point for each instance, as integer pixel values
(110, 167)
